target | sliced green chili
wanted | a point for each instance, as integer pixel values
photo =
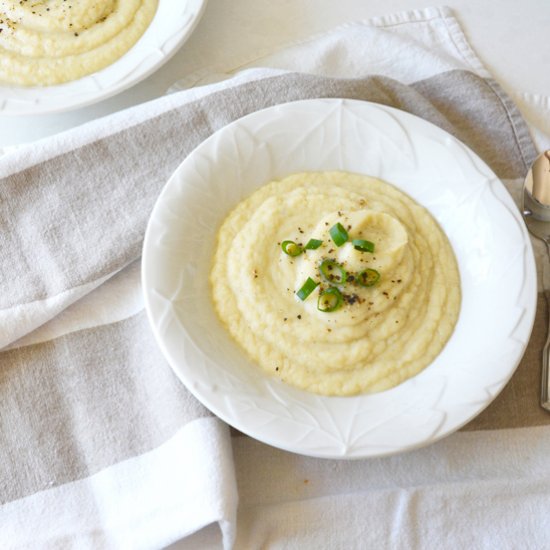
(333, 272)
(291, 248)
(313, 244)
(329, 300)
(368, 277)
(307, 288)
(363, 245)
(338, 234)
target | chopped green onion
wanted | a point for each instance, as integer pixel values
(333, 272)
(339, 234)
(329, 300)
(313, 244)
(363, 245)
(307, 288)
(368, 277)
(291, 248)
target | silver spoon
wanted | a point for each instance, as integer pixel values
(536, 212)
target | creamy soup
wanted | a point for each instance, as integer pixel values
(336, 283)
(45, 42)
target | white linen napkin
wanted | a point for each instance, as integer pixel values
(103, 447)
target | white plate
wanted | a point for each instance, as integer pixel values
(172, 24)
(485, 229)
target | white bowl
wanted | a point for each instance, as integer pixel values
(173, 23)
(484, 227)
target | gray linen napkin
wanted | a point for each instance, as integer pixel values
(77, 404)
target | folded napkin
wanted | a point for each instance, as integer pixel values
(101, 445)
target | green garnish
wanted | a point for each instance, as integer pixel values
(307, 288)
(333, 272)
(339, 234)
(368, 277)
(291, 248)
(329, 300)
(363, 245)
(313, 244)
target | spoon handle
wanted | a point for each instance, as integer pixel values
(545, 378)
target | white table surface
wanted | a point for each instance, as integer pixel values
(509, 36)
